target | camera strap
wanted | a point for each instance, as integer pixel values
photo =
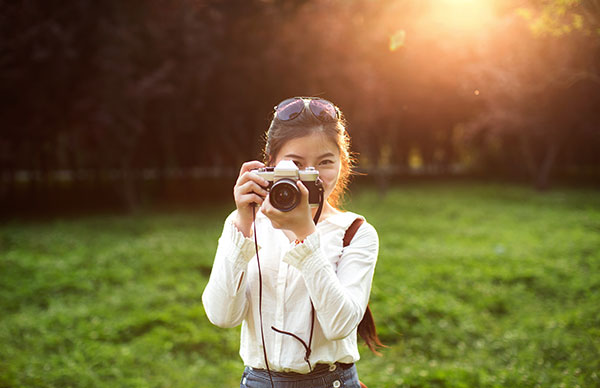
(262, 334)
(319, 184)
(307, 347)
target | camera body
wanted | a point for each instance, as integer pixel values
(284, 194)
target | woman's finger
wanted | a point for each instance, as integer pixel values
(266, 207)
(302, 188)
(272, 213)
(248, 199)
(250, 166)
(251, 176)
(252, 187)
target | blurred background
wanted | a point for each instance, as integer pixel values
(123, 124)
(122, 104)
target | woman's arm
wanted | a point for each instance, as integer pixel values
(340, 298)
(224, 297)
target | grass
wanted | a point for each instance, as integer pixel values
(476, 286)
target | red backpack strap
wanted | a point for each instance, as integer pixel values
(351, 231)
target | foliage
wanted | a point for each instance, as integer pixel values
(118, 91)
(476, 285)
(542, 84)
(562, 17)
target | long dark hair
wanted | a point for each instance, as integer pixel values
(279, 133)
(368, 332)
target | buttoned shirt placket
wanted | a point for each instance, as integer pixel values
(279, 308)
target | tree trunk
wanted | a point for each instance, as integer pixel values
(7, 184)
(542, 181)
(382, 179)
(528, 156)
(127, 188)
(539, 173)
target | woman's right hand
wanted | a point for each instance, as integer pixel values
(249, 191)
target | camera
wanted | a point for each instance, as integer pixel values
(284, 194)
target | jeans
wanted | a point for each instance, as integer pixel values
(334, 376)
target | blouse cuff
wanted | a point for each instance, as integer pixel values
(304, 256)
(243, 249)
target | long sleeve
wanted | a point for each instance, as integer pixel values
(340, 295)
(224, 297)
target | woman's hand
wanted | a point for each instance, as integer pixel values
(249, 191)
(299, 220)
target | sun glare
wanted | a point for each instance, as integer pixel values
(461, 15)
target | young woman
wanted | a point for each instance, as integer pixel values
(301, 300)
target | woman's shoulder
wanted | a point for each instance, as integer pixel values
(365, 237)
(343, 219)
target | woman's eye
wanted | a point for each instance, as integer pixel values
(327, 161)
(298, 164)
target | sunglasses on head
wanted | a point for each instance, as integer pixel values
(291, 108)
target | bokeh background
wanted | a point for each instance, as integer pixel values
(123, 103)
(476, 127)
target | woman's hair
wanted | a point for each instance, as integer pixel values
(280, 132)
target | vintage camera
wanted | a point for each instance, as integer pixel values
(283, 192)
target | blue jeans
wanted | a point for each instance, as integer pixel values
(321, 377)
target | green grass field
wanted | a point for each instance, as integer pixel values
(476, 286)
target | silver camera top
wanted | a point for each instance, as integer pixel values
(288, 169)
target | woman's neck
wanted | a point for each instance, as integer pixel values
(327, 211)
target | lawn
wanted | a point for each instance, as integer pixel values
(477, 285)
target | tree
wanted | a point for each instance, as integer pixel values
(530, 90)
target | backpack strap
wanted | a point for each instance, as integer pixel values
(351, 231)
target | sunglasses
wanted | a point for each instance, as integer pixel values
(291, 108)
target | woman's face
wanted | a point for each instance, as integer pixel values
(314, 150)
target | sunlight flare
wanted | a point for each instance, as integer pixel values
(462, 15)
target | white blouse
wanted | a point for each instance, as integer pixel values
(338, 281)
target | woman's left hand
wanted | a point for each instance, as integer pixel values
(299, 220)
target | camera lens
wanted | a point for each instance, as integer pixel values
(284, 195)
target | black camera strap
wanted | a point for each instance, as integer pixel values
(307, 347)
(262, 334)
(319, 184)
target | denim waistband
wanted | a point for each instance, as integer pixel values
(319, 371)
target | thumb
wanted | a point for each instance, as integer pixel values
(302, 188)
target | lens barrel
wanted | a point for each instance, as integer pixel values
(284, 195)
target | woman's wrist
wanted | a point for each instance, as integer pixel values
(243, 225)
(304, 232)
